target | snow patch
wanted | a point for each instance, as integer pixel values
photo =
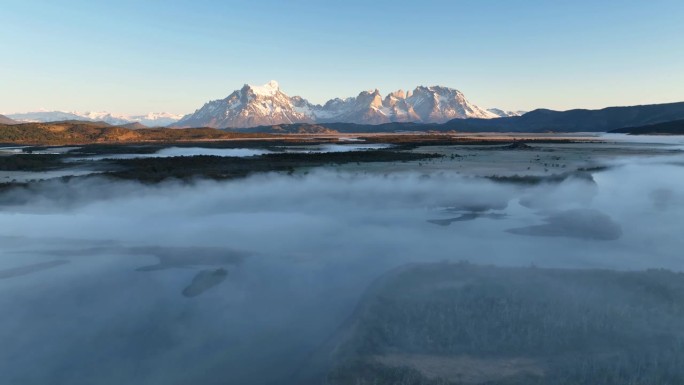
(269, 89)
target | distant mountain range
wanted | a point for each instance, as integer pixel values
(667, 118)
(154, 119)
(254, 106)
(266, 109)
(505, 114)
(82, 132)
(580, 120)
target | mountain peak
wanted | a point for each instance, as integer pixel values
(398, 94)
(268, 105)
(268, 89)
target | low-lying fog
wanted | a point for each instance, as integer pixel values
(239, 282)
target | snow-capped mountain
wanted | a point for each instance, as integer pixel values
(154, 119)
(249, 107)
(366, 108)
(505, 114)
(45, 116)
(265, 105)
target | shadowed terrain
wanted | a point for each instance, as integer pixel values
(467, 324)
(668, 128)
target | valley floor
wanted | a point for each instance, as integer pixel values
(403, 259)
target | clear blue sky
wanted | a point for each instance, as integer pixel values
(137, 56)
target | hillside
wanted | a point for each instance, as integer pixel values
(133, 126)
(452, 324)
(668, 128)
(602, 120)
(80, 132)
(6, 120)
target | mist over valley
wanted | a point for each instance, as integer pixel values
(128, 280)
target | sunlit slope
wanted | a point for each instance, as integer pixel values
(79, 132)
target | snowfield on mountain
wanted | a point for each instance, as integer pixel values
(265, 105)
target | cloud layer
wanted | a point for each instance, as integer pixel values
(239, 282)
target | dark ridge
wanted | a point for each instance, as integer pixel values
(133, 126)
(579, 120)
(668, 128)
(540, 120)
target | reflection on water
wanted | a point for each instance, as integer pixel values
(237, 152)
(85, 169)
(338, 147)
(182, 151)
(11, 150)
